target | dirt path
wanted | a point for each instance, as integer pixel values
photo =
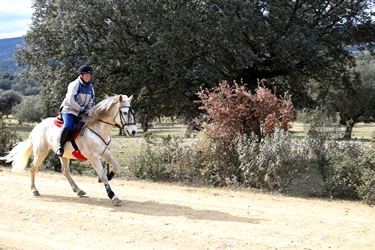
(157, 216)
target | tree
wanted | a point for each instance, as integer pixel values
(29, 110)
(9, 81)
(355, 102)
(8, 99)
(6, 80)
(26, 87)
(164, 51)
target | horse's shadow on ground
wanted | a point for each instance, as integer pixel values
(152, 208)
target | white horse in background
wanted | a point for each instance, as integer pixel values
(92, 142)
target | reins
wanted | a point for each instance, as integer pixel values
(106, 144)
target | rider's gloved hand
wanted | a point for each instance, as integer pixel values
(84, 111)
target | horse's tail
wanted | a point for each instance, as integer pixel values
(19, 155)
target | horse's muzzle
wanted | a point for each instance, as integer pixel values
(132, 131)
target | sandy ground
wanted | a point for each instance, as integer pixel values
(161, 216)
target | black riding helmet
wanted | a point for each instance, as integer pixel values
(85, 69)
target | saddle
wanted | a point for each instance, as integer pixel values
(73, 135)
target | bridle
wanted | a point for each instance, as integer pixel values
(130, 116)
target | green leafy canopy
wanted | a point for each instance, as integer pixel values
(164, 51)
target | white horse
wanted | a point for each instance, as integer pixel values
(93, 142)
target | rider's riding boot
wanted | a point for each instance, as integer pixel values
(63, 138)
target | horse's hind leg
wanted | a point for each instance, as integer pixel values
(39, 156)
(66, 171)
(33, 170)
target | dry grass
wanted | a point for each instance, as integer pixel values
(23, 130)
(308, 183)
(361, 131)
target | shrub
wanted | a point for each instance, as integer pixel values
(235, 111)
(8, 138)
(367, 163)
(148, 137)
(219, 163)
(321, 134)
(344, 176)
(340, 163)
(51, 162)
(169, 161)
(367, 189)
(273, 163)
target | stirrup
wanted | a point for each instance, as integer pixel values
(59, 152)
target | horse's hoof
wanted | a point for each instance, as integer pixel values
(99, 180)
(36, 193)
(116, 201)
(81, 193)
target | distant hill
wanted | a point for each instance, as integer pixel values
(7, 48)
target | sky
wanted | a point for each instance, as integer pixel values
(15, 17)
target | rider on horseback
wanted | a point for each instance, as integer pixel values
(79, 99)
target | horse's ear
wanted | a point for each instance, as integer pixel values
(130, 99)
(120, 98)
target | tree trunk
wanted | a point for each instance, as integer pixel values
(144, 126)
(192, 126)
(349, 129)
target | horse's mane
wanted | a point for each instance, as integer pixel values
(100, 109)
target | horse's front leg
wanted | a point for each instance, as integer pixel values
(107, 156)
(65, 162)
(97, 164)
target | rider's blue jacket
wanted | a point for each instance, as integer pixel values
(80, 97)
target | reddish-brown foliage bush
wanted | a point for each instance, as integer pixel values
(233, 110)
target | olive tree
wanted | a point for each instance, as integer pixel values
(355, 101)
(8, 99)
(29, 110)
(164, 51)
